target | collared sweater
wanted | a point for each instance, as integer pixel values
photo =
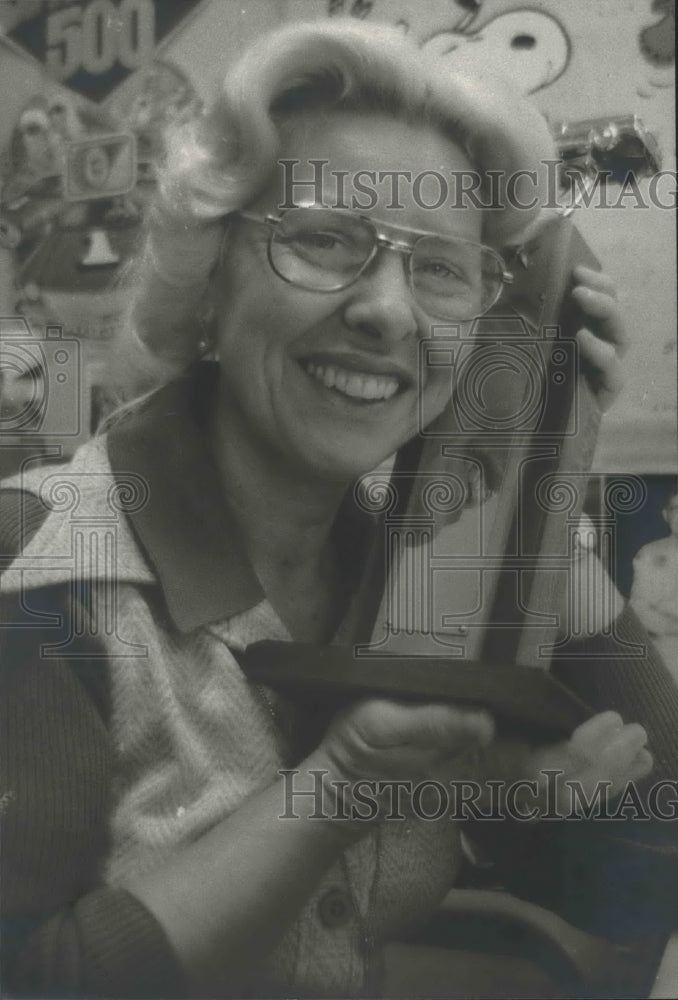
(129, 729)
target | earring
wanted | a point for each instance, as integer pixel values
(206, 343)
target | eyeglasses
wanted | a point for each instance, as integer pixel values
(326, 250)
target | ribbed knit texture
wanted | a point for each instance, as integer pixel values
(631, 866)
(189, 740)
(607, 673)
(63, 933)
(615, 878)
(105, 945)
(112, 764)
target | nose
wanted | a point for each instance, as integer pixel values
(380, 303)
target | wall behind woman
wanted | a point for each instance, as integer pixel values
(579, 60)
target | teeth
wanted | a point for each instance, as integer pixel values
(354, 384)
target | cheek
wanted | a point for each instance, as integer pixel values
(253, 347)
(437, 393)
(250, 297)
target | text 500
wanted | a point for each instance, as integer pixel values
(95, 38)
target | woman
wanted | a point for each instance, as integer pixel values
(161, 865)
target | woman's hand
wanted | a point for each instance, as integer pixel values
(382, 740)
(604, 341)
(602, 750)
(227, 897)
(602, 754)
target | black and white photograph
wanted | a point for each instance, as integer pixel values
(338, 500)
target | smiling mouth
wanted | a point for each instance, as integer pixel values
(363, 386)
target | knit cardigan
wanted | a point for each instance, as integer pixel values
(107, 769)
(127, 743)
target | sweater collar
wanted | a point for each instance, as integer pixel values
(185, 529)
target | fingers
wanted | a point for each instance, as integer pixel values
(604, 340)
(596, 294)
(643, 764)
(625, 757)
(602, 755)
(601, 307)
(444, 728)
(587, 738)
(595, 279)
(449, 729)
(602, 366)
(604, 748)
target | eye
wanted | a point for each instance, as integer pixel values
(440, 269)
(321, 241)
(323, 246)
(313, 239)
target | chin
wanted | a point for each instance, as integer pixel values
(346, 465)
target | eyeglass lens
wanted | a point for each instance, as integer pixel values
(326, 250)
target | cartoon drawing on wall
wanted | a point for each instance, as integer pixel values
(472, 7)
(76, 185)
(33, 149)
(531, 46)
(78, 170)
(46, 124)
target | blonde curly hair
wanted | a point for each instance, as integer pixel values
(219, 162)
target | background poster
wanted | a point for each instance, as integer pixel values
(580, 60)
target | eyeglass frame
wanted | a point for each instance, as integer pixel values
(381, 241)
